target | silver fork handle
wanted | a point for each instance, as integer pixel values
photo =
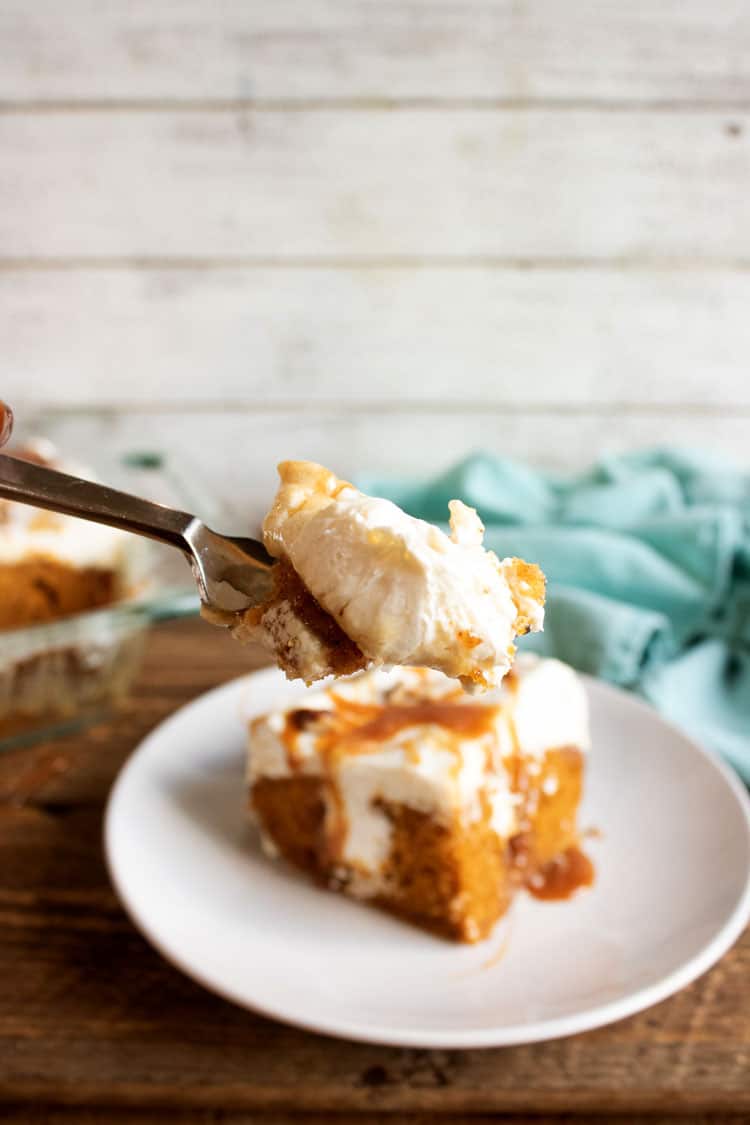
(30, 483)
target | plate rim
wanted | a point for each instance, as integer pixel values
(536, 1031)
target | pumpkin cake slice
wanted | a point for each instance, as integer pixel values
(398, 788)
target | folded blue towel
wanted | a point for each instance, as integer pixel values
(647, 557)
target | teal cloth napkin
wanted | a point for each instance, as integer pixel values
(647, 557)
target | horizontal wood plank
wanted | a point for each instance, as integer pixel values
(602, 336)
(91, 1015)
(24, 1114)
(516, 184)
(301, 49)
(225, 460)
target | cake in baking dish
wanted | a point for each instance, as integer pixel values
(360, 583)
(52, 566)
(56, 666)
(398, 788)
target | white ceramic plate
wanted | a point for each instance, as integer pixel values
(672, 892)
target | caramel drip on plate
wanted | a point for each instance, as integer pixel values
(562, 876)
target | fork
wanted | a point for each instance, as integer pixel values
(232, 572)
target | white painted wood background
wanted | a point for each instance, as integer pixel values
(382, 235)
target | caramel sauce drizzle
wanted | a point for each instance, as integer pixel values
(469, 720)
(352, 726)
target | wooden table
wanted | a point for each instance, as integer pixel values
(95, 1026)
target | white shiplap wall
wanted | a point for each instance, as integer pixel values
(380, 235)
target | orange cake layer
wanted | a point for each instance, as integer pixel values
(393, 787)
(41, 589)
(291, 600)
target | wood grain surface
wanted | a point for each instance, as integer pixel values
(253, 185)
(429, 205)
(91, 1016)
(458, 335)
(83, 51)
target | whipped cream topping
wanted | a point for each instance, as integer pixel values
(27, 532)
(424, 766)
(549, 708)
(404, 591)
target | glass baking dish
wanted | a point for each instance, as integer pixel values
(60, 676)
